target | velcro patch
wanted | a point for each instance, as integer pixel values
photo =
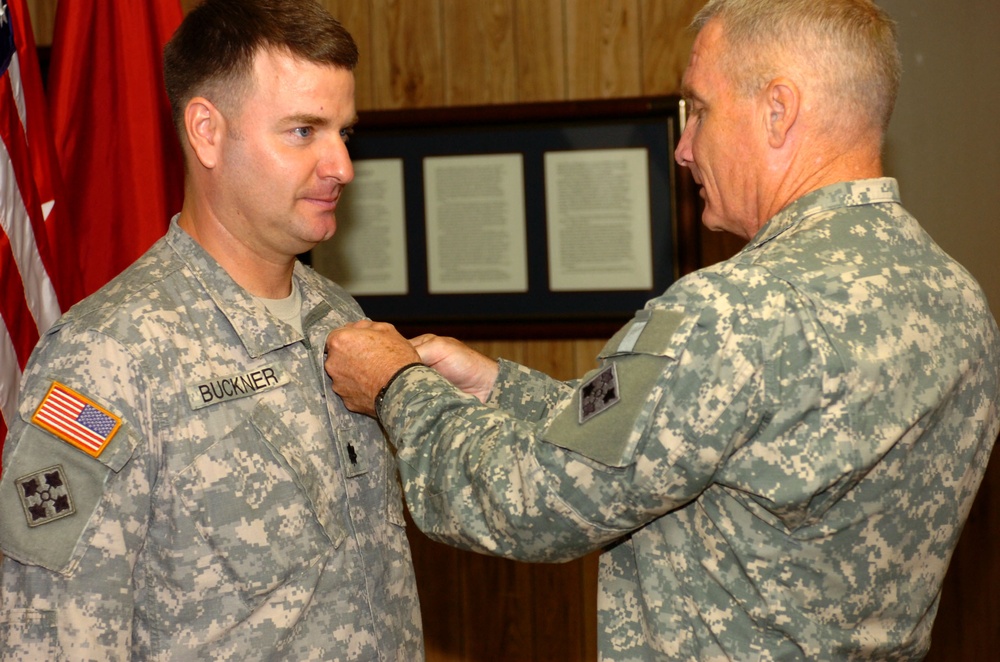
(76, 419)
(606, 418)
(45, 496)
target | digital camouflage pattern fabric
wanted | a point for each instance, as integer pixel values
(797, 440)
(239, 512)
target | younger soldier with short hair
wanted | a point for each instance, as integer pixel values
(182, 484)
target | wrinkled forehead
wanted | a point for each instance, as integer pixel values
(705, 52)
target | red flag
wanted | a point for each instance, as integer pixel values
(119, 154)
(31, 288)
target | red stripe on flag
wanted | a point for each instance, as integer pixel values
(14, 311)
(28, 178)
(60, 258)
(21, 323)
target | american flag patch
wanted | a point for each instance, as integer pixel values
(76, 419)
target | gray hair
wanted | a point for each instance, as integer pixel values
(844, 49)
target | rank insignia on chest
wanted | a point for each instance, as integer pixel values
(599, 393)
(75, 419)
(45, 496)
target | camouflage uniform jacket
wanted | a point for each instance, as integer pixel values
(777, 455)
(238, 512)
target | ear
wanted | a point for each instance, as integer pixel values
(782, 102)
(205, 127)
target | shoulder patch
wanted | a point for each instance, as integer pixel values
(599, 393)
(45, 496)
(76, 419)
(609, 410)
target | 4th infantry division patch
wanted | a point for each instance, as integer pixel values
(45, 496)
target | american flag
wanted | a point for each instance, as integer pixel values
(76, 419)
(28, 301)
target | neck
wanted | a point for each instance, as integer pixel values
(261, 275)
(808, 172)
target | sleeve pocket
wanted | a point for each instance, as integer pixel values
(29, 634)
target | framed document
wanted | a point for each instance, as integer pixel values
(541, 220)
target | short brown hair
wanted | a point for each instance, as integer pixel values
(212, 52)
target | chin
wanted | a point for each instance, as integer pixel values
(711, 221)
(323, 228)
(330, 232)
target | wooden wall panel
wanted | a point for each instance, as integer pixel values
(43, 16)
(356, 17)
(478, 52)
(602, 49)
(406, 54)
(540, 51)
(665, 42)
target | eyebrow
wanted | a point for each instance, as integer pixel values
(689, 94)
(306, 119)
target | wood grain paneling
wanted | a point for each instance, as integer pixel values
(188, 5)
(602, 49)
(478, 52)
(406, 54)
(665, 43)
(356, 18)
(43, 16)
(540, 51)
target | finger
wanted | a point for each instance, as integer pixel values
(422, 339)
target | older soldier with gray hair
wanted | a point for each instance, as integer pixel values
(778, 454)
(182, 484)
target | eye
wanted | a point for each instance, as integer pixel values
(303, 131)
(346, 133)
(696, 114)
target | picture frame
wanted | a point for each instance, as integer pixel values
(560, 186)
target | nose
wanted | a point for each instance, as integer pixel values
(683, 153)
(335, 162)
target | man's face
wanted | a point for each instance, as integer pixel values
(721, 140)
(284, 160)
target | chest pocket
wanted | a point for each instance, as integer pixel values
(251, 509)
(611, 407)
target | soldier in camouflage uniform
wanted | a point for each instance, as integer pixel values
(182, 483)
(778, 454)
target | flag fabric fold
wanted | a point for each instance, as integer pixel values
(113, 133)
(36, 282)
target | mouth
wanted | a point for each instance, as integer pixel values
(324, 202)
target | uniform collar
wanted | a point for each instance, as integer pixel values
(258, 330)
(857, 193)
